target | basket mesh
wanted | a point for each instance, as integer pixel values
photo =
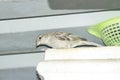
(111, 34)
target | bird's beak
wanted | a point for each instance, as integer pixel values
(37, 44)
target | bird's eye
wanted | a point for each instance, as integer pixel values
(39, 37)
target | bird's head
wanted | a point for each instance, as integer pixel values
(42, 40)
(38, 41)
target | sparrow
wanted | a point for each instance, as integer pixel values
(62, 40)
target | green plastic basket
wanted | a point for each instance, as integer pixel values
(108, 31)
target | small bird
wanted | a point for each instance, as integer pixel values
(62, 40)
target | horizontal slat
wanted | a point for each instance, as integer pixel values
(64, 21)
(27, 51)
